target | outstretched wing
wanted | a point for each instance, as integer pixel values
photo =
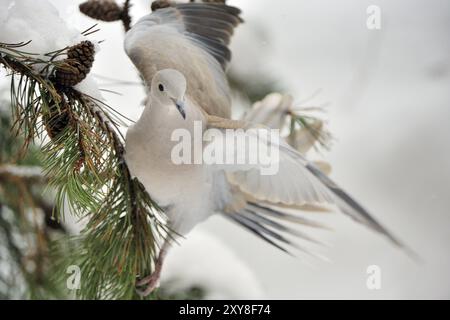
(296, 183)
(211, 27)
(192, 38)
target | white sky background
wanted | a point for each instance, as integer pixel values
(390, 112)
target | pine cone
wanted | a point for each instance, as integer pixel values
(78, 64)
(161, 4)
(56, 120)
(104, 10)
(210, 1)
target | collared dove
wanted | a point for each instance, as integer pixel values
(182, 53)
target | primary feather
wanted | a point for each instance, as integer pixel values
(297, 183)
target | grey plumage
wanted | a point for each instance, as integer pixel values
(286, 216)
(297, 180)
(211, 26)
(256, 216)
(352, 208)
(260, 231)
(272, 232)
(192, 38)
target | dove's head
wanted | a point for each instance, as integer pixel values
(169, 88)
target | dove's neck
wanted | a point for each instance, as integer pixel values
(158, 132)
(149, 148)
(165, 119)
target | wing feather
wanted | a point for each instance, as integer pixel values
(297, 183)
(192, 38)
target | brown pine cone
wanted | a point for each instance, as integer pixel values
(104, 10)
(77, 65)
(161, 4)
(210, 1)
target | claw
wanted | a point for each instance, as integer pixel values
(152, 283)
(144, 281)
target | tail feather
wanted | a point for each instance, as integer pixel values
(282, 228)
(288, 217)
(346, 203)
(254, 218)
(254, 229)
(354, 210)
(350, 207)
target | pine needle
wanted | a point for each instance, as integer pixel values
(85, 165)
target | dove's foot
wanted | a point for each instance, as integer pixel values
(150, 283)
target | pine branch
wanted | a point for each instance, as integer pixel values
(28, 173)
(26, 222)
(84, 160)
(313, 125)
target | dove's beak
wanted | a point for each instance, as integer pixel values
(180, 106)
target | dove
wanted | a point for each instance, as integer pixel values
(181, 52)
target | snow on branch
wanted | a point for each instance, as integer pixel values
(22, 172)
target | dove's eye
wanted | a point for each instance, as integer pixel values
(161, 87)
